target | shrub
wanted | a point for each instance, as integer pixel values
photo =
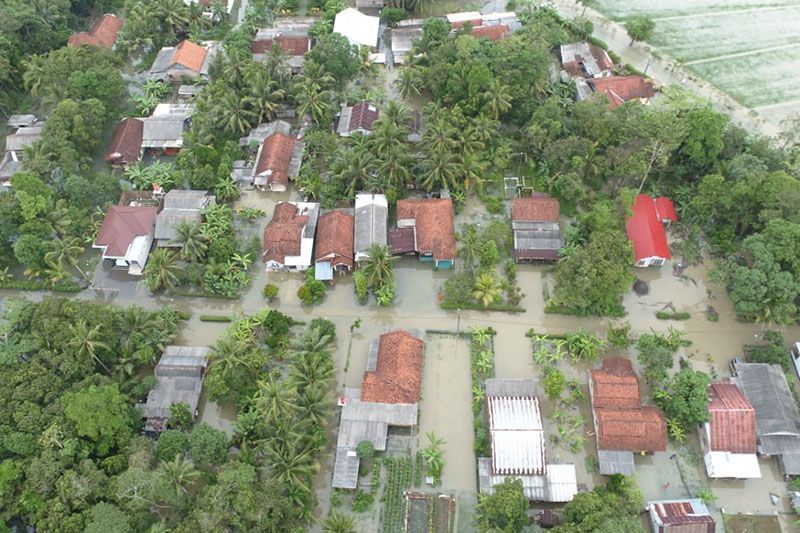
(494, 205)
(170, 443)
(270, 291)
(619, 336)
(215, 318)
(392, 15)
(773, 353)
(365, 450)
(665, 315)
(325, 326)
(312, 292)
(180, 416)
(361, 286)
(554, 383)
(362, 502)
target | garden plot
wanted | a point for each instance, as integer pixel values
(620, 9)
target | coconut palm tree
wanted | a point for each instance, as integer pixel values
(409, 82)
(354, 167)
(87, 342)
(394, 170)
(273, 400)
(310, 370)
(179, 473)
(192, 241)
(263, 96)
(497, 99)
(313, 341)
(471, 171)
(313, 101)
(487, 290)
(34, 74)
(439, 170)
(471, 245)
(313, 405)
(234, 115)
(64, 253)
(396, 113)
(483, 128)
(175, 15)
(162, 270)
(379, 266)
(338, 522)
(289, 462)
(440, 135)
(386, 137)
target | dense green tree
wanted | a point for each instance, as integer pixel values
(107, 518)
(101, 414)
(337, 56)
(639, 28)
(505, 510)
(684, 398)
(171, 442)
(208, 445)
(613, 507)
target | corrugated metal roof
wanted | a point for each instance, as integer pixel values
(732, 465)
(615, 462)
(511, 387)
(517, 435)
(323, 271)
(560, 485)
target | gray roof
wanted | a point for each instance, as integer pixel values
(180, 206)
(345, 469)
(558, 484)
(18, 121)
(537, 236)
(187, 199)
(777, 414)
(9, 166)
(179, 376)
(790, 463)
(163, 132)
(511, 387)
(186, 356)
(23, 137)
(403, 39)
(371, 214)
(264, 130)
(615, 462)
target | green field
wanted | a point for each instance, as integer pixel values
(747, 48)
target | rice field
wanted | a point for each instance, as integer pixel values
(749, 49)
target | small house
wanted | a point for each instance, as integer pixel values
(289, 236)
(291, 36)
(680, 516)
(621, 89)
(180, 206)
(163, 130)
(777, 415)
(623, 426)
(103, 33)
(334, 244)
(358, 28)
(371, 214)
(535, 225)
(517, 442)
(425, 227)
(369, 4)
(185, 60)
(388, 397)
(357, 118)
(457, 20)
(728, 439)
(494, 32)
(126, 235)
(125, 147)
(403, 42)
(28, 131)
(279, 154)
(179, 379)
(584, 60)
(646, 231)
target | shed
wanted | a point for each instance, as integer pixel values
(535, 225)
(680, 516)
(371, 214)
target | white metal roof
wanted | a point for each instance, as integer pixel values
(453, 18)
(732, 465)
(514, 413)
(517, 435)
(360, 29)
(558, 485)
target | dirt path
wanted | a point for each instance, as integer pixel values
(663, 68)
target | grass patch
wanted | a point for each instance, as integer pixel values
(215, 318)
(34, 285)
(506, 308)
(666, 315)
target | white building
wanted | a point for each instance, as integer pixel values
(360, 29)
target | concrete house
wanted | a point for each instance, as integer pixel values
(291, 35)
(179, 379)
(371, 214)
(517, 440)
(621, 89)
(646, 230)
(186, 59)
(357, 118)
(125, 237)
(425, 227)
(584, 60)
(535, 225)
(333, 251)
(289, 236)
(389, 396)
(103, 33)
(623, 426)
(163, 130)
(680, 516)
(728, 439)
(358, 28)
(125, 147)
(28, 130)
(180, 206)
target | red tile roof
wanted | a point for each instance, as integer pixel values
(493, 33)
(189, 55)
(681, 517)
(275, 156)
(620, 89)
(646, 231)
(600, 56)
(126, 142)
(539, 208)
(665, 210)
(102, 33)
(284, 233)
(398, 371)
(335, 239)
(363, 116)
(434, 225)
(121, 225)
(622, 423)
(733, 419)
(291, 45)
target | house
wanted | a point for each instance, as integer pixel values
(289, 236)
(505, 18)
(357, 118)
(389, 397)
(680, 516)
(403, 42)
(371, 214)
(517, 441)
(186, 60)
(334, 246)
(358, 28)
(103, 33)
(28, 131)
(164, 129)
(180, 206)
(278, 156)
(728, 439)
(369, 4)
(291, 35)
(495, 32)
(623, 426)
(457, 20)
(621, 89)
(125, 147)
(534, 222)
(584, 60)
(425, 227)
(645, 230)
(126, 235)
(777, 414)
(179, 379)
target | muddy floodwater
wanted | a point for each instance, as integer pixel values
(446, 389)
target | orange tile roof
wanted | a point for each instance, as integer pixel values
(615, 384)
(102, 33)
(733, 420)
(126, 142)
(335, 239)
(398, 371)
(620, 89)
(434, 222)
(539, 208)
(276, 155)
(189, 55)
(291, 45)
(284, 233)
(493, 33)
